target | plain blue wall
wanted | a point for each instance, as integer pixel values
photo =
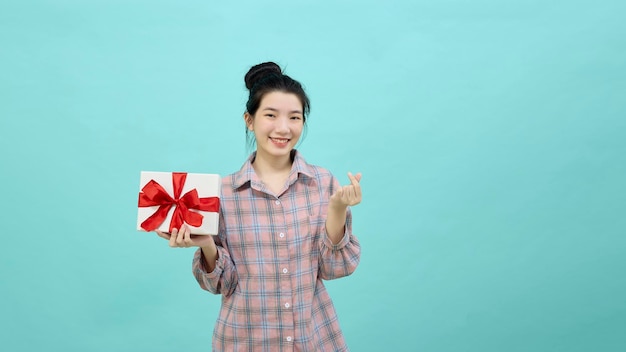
(491, 136)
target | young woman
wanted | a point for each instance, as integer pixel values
(285, 225)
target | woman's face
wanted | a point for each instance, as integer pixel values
(277, 124)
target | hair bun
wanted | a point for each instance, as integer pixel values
(257, 72)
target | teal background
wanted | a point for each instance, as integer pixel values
(490, 134)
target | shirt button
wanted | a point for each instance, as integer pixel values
(277, 202)
(281, 235)
(289, 338)
(285, 271)
(287, 305)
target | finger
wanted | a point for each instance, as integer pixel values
(181, 236)
(357, 193)
(173, 236)
(356, 200)
(337, 197)
(344, 195)
(357, 188)
(187, 237)
(339, 193)
(350, 190)
(353, 180)
(355, 183)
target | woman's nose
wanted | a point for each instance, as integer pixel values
(282, 124)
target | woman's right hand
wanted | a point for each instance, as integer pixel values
(183, 238)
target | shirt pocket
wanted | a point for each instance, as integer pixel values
(306, 248)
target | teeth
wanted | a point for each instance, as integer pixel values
(280, 140)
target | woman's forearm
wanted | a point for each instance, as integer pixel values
(336, 222)
(210, 255)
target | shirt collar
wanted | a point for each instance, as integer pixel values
(247, 175)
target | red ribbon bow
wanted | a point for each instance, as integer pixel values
(154, 194)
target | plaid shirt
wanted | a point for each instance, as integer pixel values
(273, 255)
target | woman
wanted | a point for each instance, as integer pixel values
(284, 227)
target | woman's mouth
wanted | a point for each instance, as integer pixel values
(280, 142)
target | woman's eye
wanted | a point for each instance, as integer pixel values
(296, 118)
(269, 115)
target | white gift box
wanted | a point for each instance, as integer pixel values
(160, 208)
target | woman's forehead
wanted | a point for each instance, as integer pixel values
(281, 101)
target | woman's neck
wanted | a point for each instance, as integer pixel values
(268, 165)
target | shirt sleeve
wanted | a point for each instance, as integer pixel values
(341, 259)
(223, 279)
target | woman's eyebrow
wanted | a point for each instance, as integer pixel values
(276, 110)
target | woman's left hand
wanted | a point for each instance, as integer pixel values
(183, 238)
(348, 195)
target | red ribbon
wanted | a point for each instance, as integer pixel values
(154, 194)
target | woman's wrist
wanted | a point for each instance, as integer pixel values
(337, 208)
(210, 255)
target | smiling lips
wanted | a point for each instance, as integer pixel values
(280, 142)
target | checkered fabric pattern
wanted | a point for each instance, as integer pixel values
(273, 255)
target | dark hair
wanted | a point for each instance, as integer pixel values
(266, 78)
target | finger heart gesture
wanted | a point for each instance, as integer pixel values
(348, 195)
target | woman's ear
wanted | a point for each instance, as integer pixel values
(249, 119)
